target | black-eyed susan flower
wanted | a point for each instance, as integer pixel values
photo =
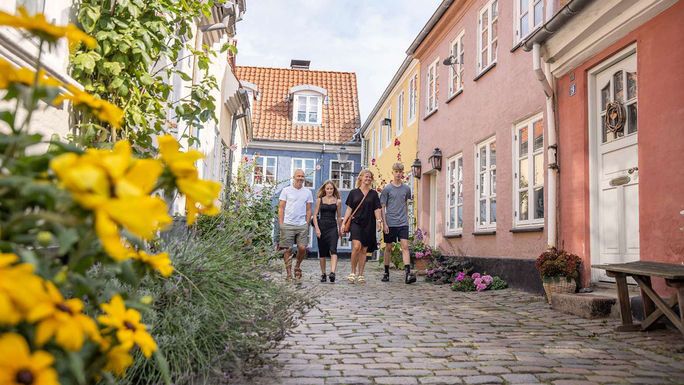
(18, 366)
(182, 166)
(39, 26)
(9, 75)
(62, 319)
(119, 359)
(126, 324)
(19, 289)
(104, 110)
(159, 262)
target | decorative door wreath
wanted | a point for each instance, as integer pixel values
(615, 117)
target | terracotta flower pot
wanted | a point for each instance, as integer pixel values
(421, 264)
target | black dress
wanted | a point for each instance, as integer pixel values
(363, 224)
(327, 223)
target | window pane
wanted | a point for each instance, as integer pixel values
(302, 103)
(492, 210)
(495, 44)
(483, 211)
(524, 29)
(313, 117)
(452, 217)
(631, 85)
(484, 58)
(460, 217)
(522, 137)
(538, 12)
(539, 169)
(524, 173)
(523, 214)
(271, 162)
(523, 6)
(617, 85)
(539, 203)
(492, 154)
(482, 186)
(538, 128)
(495, 29)
(632, 118)
(301, 116)
(605, 96)
(452, 195)
(492, 183)
(604, 133)
(483, 158)
(495, 10)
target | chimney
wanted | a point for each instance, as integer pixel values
(300, 64)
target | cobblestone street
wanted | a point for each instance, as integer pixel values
(379, 333)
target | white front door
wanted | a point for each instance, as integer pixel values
(433, 209)
(616, 161)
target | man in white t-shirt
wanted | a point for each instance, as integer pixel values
(294, 214)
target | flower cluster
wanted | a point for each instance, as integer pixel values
(477, 282)
(557, 263)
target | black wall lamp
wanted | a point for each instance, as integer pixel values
(416, 168)
(436, 159)
(387, 122)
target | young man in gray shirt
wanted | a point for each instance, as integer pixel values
(394, 200)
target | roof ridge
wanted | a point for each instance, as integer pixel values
(302, 70)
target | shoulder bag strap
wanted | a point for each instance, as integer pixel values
(360, 203)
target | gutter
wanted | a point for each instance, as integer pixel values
(557, 22)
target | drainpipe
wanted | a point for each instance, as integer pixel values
(552, 148)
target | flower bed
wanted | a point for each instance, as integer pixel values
(477, 282)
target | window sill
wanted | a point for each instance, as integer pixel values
(478, 233)
(453, 236)
(527, 229)
(429, 114)
(515, 47)
(452, 97)
(305, 123)
(484, 71)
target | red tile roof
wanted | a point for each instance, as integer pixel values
(272, 115)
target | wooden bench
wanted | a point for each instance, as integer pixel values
(654, 306)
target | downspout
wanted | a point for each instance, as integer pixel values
(552, 146)
(230, 157)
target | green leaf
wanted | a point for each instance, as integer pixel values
(67, 238)
(112, 68)
(116, 83)
(85, 62)
(146, 79)
(163, 366)
(128, 274)
(7, 117)
(77, 367)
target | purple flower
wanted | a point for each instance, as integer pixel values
(481, 287)
(266, 275)
(476, 275)
(431, 272)
(461, 276)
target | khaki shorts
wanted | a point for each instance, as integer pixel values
(293, 235)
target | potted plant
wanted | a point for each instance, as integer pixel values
(421, 253)
(558, 270)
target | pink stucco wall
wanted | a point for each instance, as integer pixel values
(506, 94)
(661, 144)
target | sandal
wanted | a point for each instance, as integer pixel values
(361, 279)
(351, 278)
(297, 273)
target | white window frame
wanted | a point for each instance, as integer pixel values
(263, 178)
(411, 202)
(454, 228)
(351, 176)
(531, 185)
(388, 134)
(487, 224)
(491, 53)
(372, 146)
(380, 137)
(413, 98)
(431, 78)
(457, 50)
(309, 107)
(531, 25)
(303, 160)
(400, 112)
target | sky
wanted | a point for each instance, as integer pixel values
(369, 37)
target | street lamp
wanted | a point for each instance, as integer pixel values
(343, 154)
(451, 61)
(416, 168)
(436, 159)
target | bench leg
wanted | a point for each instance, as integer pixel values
(623, 299)
(649, 306)
(661, 304)
(679, 285)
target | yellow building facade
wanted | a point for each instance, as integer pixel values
(390, 133)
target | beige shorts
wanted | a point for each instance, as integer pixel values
(293, 235)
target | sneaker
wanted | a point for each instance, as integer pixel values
(331, 277)
(410, 278)
(385, 277)
(323, 278)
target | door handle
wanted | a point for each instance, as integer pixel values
(631, 170)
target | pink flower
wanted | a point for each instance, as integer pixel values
(461, 276)
(379, 190)
(477, 281)
(428, 253)
(487, 279)
(431, 272)
(248, 140)
(396, 142)
(398, 156)
(481, 287)
(233, 147)
(246, 159)
(476, 275)
(318, 167)
(419, 255)
(373, 162)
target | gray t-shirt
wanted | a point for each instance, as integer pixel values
(394, 198)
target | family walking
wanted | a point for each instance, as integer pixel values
(366, 213)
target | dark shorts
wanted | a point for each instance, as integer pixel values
(396, 234)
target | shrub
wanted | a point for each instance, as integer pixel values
(554, 264)
(445, 269)
(478, 282)
(396, 259)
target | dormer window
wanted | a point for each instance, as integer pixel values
(307, 104)
(307, 109)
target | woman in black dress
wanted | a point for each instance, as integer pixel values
(328, 205)
(364, 223)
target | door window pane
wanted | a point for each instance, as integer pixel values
(605, 96)
(631, 85)
(632, 118)
(618, 85)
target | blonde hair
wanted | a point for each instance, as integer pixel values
(364, 171)
(321, 191)
(398, 166)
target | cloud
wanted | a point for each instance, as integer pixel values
(368, 37)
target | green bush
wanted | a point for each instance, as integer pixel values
(464, 285)
(396, 260)
(498, 284)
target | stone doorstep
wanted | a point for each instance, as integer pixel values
(586, 305)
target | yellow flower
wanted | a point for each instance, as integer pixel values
(141, 216)
(19, 289)
(105, 111)
(63, 319)
(87, 181)
(18, 366)
(127, 324)
(108, 232)
(159, 262)
(119, 359)
(38, 25)
(182, 166)
(9, 75)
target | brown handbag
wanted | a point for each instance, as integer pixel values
(347, 223)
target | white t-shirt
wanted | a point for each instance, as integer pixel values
(295, 204)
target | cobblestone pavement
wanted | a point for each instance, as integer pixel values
(392, 333)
